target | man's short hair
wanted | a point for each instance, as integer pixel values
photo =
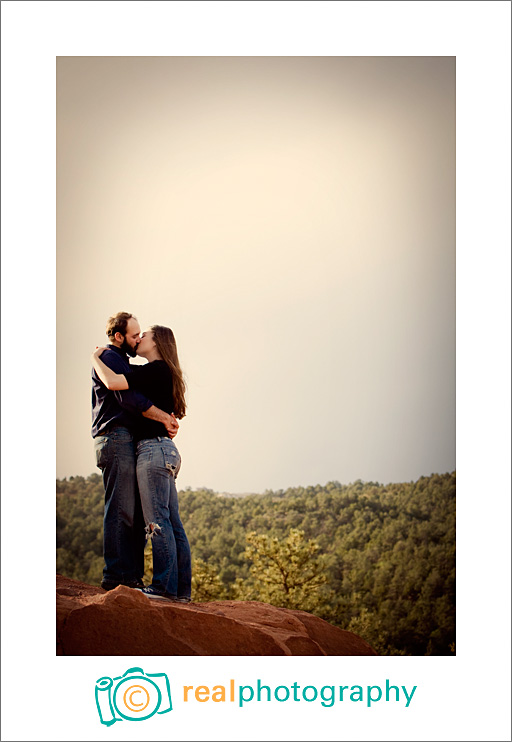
(118, 323)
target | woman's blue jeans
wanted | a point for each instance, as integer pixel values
(158, 463)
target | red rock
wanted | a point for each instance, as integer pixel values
(126, 622)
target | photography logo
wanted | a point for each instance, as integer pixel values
(134, 696)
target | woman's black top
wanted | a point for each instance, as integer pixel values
(154, 380)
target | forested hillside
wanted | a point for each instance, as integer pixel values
(376, 559)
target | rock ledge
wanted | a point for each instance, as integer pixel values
(126, 622)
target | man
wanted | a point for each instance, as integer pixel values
(113, 414)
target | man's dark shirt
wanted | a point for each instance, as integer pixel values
(153, 379)
(115, 408)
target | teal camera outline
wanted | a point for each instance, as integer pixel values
(106, 705)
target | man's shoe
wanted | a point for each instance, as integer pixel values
(107, 585)
(134, 584)
(152, 592)
(182, 600)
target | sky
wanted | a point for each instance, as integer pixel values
(292, 219)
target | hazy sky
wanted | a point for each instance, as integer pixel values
(293, 220)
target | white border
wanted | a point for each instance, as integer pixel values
(462, 698)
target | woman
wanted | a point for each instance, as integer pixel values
(158, 460)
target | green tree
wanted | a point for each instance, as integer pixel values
(206, 583)
(285, 572)
(148, 563)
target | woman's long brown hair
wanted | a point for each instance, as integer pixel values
(166, 345)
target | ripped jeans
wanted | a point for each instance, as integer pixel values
(158, 464)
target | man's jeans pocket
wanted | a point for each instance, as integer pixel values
(102, 444)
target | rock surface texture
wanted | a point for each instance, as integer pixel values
(126, 622)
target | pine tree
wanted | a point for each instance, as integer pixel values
(206, 583)
(286, 572)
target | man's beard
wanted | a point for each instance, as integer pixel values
(128, 349)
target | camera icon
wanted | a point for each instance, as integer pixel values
(134, 696)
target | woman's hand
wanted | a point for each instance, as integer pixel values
(114, 382)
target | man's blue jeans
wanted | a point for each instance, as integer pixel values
(158, 463)
(123, 524)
